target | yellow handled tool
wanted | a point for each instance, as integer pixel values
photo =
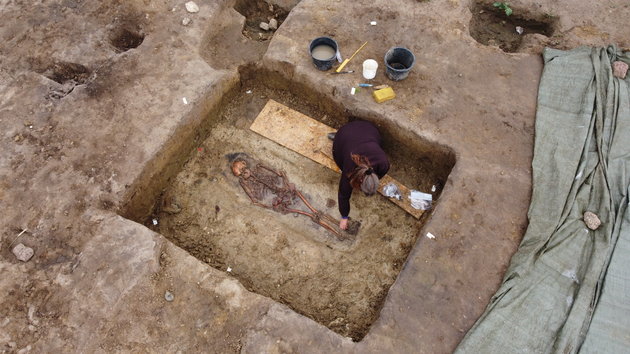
(340, 67)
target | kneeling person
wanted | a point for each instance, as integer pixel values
(359, 155)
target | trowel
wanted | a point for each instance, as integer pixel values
(345, 62)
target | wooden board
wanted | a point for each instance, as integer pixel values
(295, 131)
(308, 137)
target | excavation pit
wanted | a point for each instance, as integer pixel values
(124, 39)
(256, 12)
(491, 26)
(198, 204)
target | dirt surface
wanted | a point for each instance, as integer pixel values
(339, 282)
(102, 102)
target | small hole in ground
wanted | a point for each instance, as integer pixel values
(124, 39)
(257, 12)
(199, 204)
(491, 26)
(67, 75)
(63, 72)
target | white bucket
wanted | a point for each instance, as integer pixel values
(369, 69)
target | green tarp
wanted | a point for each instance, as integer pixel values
(568, 288)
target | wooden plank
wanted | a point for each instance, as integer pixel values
(307, 137)
(295, 131)
(405, 203)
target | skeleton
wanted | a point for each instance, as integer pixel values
(257, 182)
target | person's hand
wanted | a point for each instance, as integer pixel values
(343, 224)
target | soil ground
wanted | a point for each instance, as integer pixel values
(102, 104)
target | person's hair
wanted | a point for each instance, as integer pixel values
(363, 176)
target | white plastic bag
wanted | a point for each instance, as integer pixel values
(420, 200)
(391, 190)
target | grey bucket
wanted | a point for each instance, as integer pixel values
(328, 63)
(398, 62)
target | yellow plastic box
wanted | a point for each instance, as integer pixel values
(383, 95)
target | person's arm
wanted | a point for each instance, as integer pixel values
(382, 166)
(343, 200)
(382, 170)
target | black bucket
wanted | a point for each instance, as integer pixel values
(323, 63)
(398, 62)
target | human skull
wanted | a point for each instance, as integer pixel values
(240, 169)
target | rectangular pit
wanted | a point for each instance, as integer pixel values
(201, 207)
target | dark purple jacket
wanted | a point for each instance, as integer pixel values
(358, 137)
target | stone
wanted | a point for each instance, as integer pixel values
(186, 21)
(336, 322)
(620, 69)
(273, 24)
(592, 220)
(22, 252)
(264, 26)
(192, 7)
(31, 315)
(168, 296)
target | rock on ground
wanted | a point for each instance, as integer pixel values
(22, 252)
(192, 7)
